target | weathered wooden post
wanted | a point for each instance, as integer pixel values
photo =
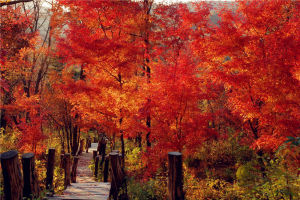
(87, 142)
(31, 186)
(94, 154)
(117, 177)
(67, 159)
(175, 180)
(50, 169)
(74, 169)
(114, 162)
(13, 181)
(62, 161)
(96, 166)
(121, 161)
(105, 171)
(90, 142)
(81, 146)
(115, 151)
(101, 148)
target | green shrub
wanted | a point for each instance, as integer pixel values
(153, 189)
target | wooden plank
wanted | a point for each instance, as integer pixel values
(93, 147)
(91, 184)
(96, 197)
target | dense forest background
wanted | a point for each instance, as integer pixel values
(216, 81)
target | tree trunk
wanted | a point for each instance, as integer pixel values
(75, 141)
(74, 169)
(147, 8)
(81, 145)
(138, 140)
(254, 127)
(68, 139)
(148, 122)
(102, 149)
(123, 150)
(7, 3)
(67, 169)
(2, 120)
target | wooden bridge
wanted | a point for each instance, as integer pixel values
(19, 185)
(85, 187)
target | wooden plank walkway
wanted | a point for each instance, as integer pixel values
(86, 187)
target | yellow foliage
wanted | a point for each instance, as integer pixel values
(8, 141)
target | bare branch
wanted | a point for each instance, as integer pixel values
(13, 2)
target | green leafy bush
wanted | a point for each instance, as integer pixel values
(154, 189)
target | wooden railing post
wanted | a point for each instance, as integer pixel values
(94, 154)
(175, 180)
(50, 169)
(121, 161)
(115, 151)
(81, 146)
(31, 186)
(114, 162)
(90, 142)
(117, 177)
(101, 149)
(62, 161)
(67, 159)
(96, 166)
(87, 145)
(74, 169)
(105, 171)
(13, 181)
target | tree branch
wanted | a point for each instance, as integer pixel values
(13, 2)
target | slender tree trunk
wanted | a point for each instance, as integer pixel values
(74, 169)
(147, 8)
(123, 149)
(2, 120)
(71, 136)
(114, 141)
(75, 141)
(138, 140)
(68, 139)
(67, 159)
(63, 141)
(254, 128)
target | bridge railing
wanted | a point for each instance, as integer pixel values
(19, 184)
